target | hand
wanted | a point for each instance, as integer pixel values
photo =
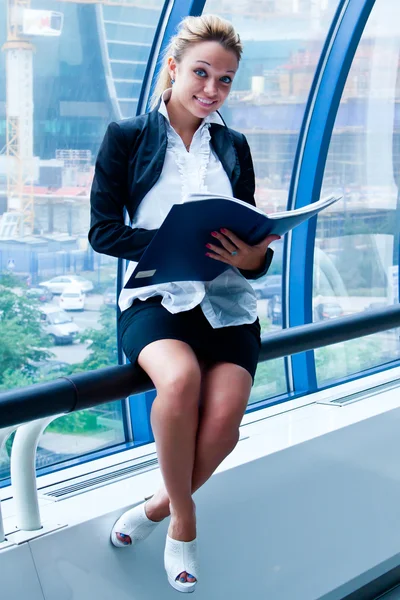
(233, 251)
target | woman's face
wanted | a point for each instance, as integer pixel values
(203, 78)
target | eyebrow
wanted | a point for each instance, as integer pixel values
(206, 63)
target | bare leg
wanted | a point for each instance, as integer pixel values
(175, 372)
(190, 449)
(225, 392)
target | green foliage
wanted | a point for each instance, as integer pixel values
(9, 444)
(265, 323)
(269, 381)
(24, 343)
(102, 343)
(23, 340)
(332, 363)
(13, 379)
(338, 361)
(9, 280)
(103, 353)
(270, 376)
(83, 421)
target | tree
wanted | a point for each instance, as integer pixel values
(23, 340)
(102, 343)
(103, 353)
(24, 344)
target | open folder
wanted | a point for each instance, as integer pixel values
(177, 251)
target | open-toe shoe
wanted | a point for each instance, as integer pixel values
(180, 557)
(132, 527)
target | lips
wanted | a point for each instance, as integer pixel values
(204, 102)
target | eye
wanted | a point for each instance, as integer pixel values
(201, 72)
(226, 79)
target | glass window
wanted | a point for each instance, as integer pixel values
(357, 240)
(282, 42)
(63, 92)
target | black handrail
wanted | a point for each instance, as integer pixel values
(85, 390)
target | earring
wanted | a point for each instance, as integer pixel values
(172, 81)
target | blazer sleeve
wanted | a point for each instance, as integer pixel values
(108, 233)
(247, 189)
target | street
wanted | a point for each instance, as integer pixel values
(87, 319)
(71, 353)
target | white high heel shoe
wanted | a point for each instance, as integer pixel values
(134, 525)
(180, 557)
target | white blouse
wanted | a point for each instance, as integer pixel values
(228, 299)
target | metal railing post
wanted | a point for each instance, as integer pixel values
(23, 473)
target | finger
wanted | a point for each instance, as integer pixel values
(268, 240)
(225, 243)
(218, 250)
(273, 237)
(234, 238)
(220, 258)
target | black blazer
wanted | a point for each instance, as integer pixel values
(129, 163)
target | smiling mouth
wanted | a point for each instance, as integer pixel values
(204, 102)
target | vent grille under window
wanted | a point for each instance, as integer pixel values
(78, 485)
(362, 395)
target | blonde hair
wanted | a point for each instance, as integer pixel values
(193, 30)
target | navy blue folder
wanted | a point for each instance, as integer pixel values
(177, 251)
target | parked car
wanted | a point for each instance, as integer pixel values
(53, 368)
(267, 286)
(59, 325)
(274, 309)
(327, 310)
(72, 298)
(110, 296)
(40, 293)
(58, 284)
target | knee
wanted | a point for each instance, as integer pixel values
(181, 387)
(224, 433)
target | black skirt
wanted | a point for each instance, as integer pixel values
(148, 321)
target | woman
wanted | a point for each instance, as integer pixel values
(198, 341)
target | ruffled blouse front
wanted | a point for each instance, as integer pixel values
(192, 165)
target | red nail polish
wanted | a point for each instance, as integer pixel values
(208, 245)
(214, 233)
(224, 230)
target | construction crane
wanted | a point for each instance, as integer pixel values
(23, 25)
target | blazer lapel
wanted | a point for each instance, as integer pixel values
(147, 163)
